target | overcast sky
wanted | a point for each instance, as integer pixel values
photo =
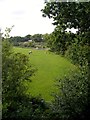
(26, 17)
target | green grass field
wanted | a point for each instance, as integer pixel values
(49, 67)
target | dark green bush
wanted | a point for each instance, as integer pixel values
(16, 104)
(78, 54)
(72, 101)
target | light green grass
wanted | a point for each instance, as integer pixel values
(49, 67)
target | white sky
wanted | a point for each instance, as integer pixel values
(26, 17)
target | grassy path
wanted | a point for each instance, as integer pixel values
(50, 67)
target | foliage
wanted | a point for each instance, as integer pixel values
(78, 54)
(59, 41)
(7, 31)
(15, 69)
(72, 101)
(37, 37)
(16, 103)
(27, 44)
(68, 15)
(47, 39)
(19, 41)
(27, 37)
(15, 40)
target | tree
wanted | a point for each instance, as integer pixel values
(7, 31)
(16, 70)
(37, 37)
(60, 42)
(69, 15)
(16, 103)
(27, 37)
(73, 100)
(16, 40)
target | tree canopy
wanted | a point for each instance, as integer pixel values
(69, 14)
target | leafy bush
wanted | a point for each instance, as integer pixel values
(72, 101)
(16, 104)
(78, 54)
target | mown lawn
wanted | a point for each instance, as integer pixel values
(49, 67)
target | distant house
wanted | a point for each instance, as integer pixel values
(29, 40)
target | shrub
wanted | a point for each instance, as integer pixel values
(15, 70)
(72, 102)
(78, 54)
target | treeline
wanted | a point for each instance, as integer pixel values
(18, 40)
(73, 99)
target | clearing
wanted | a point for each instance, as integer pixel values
(49, 68)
